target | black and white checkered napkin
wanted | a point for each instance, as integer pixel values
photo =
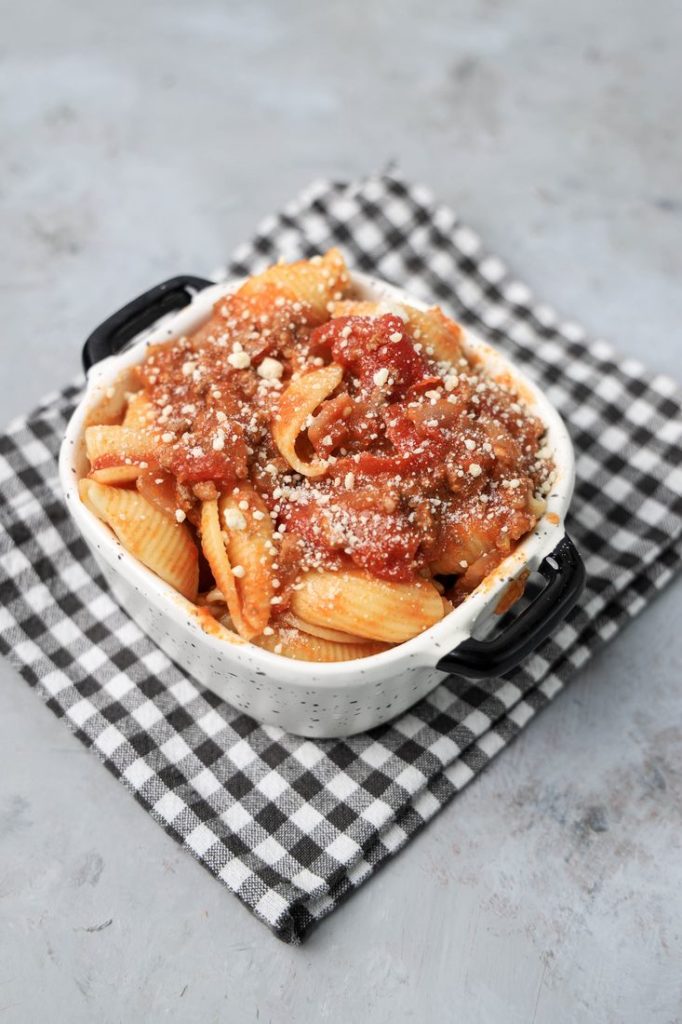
(291, 825)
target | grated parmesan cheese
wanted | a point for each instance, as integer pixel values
(234, 520)
(240, 360)
(270, 369)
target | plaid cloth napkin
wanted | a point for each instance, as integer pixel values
(293, 826)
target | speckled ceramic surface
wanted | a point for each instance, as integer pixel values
(310, 699)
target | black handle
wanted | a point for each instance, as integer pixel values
(480, 659)
(110, 337)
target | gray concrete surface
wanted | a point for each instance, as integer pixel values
(144, 139)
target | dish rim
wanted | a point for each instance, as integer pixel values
(428, 647)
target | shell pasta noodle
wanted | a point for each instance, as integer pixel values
(162, 544)
(432, 329)
(313, 283)
(297, 403)
(139, 412)
(304, 646)
(322, 476)
(118, 447)
(356, 603)
(247, 595)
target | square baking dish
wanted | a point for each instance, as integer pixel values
(312, 698)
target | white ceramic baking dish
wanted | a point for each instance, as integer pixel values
(314, 699)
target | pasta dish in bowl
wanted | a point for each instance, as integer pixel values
(326, 481)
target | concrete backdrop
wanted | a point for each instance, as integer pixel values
(138, 140)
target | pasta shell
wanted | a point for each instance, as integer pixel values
(299, 400)
(315, 282)
(460, 551)
(439, 335)
(211, 625)
(108, 446)
(159, 489)
(356, 603)
(213, 546)
(140, 412)
(323, 631)
(115, 475)
(367, 307)
(111, 406)
(249, 545)
(293, 643)
(164, 546)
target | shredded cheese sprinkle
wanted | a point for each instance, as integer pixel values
(240, 360)
(234, 520)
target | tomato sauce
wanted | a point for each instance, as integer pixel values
(368, 347)
(431, 467)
